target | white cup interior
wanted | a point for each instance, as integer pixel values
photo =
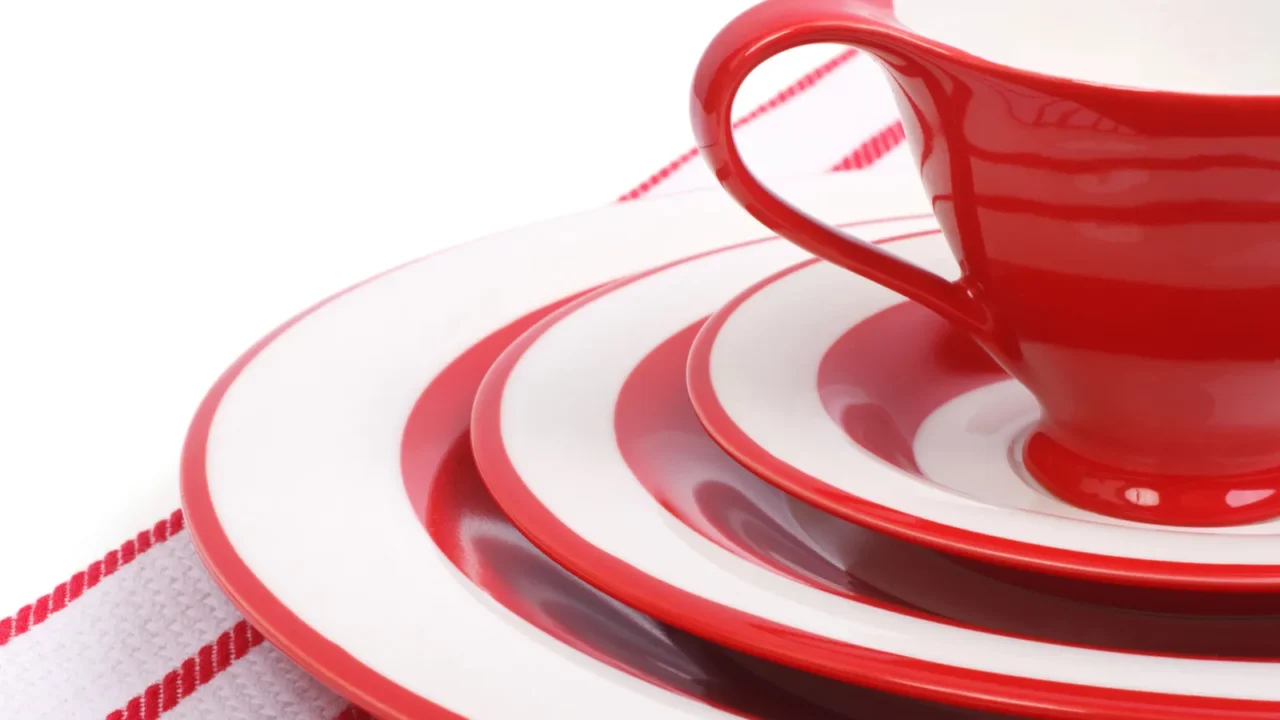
(1226, 47)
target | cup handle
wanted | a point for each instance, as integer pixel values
(757, 35)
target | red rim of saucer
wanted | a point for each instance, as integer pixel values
(776, 642)
(946, 538)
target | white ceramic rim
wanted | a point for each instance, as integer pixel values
(1213, 48)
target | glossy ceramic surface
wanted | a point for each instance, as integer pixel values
(881, 413)
(445, 489)
(325, 417)
(678, 463)
(1118, 245)
(731, 561)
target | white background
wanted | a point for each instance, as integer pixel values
(178, 178)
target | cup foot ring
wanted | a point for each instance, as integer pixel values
(1189, 501)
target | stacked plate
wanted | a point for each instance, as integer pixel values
(649, 462)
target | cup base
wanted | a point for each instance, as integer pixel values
(1185, 500)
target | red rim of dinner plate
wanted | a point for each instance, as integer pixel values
(946, 538)
(306, 646)
(780, 643)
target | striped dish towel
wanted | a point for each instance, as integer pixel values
(145, 633)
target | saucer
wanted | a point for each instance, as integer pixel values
(392, 577)
(832, 388)
(573, 449)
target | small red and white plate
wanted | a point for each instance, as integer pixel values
(330, 488)
(873, 409)
(578, 434)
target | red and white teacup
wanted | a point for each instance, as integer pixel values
(1107, 174)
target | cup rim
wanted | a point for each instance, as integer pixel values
(886, 11)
